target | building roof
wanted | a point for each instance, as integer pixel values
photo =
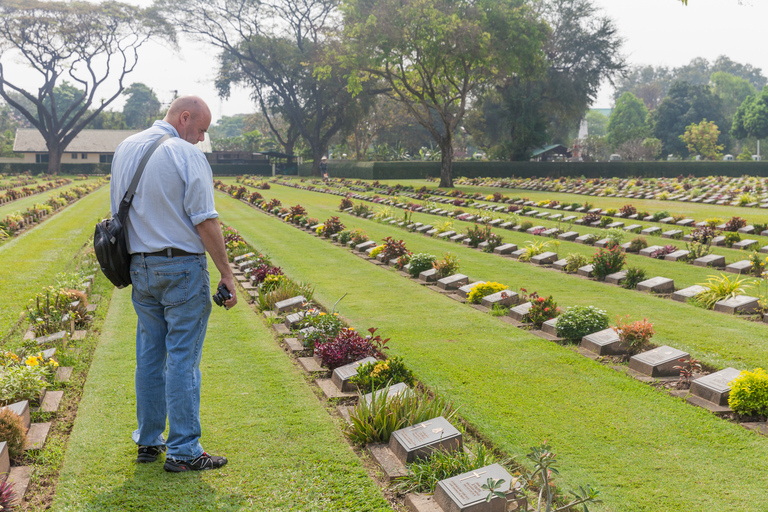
(559, 147)
(29, 140)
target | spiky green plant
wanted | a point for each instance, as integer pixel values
(721, 288)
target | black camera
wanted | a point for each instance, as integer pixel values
(222, 295)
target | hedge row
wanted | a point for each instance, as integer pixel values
(420, 170)
(82, 168)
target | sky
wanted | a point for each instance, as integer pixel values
(656, 32)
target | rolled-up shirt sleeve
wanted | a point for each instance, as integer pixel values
(199, 204)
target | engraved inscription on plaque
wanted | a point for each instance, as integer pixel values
(420, 440)
(461, 492)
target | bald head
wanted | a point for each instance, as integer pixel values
(191, 118)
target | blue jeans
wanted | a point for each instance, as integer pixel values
(172, 300)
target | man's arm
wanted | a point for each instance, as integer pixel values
(210, 232)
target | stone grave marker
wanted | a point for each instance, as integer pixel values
(667, 220)
(569, 218)
(431, 232)
(650, 231)
(715, 387)
(458, 237)
(711, 260)
(568, 236)
(516, 254)
(741, 304)
(418, 441)
(518, 312)
(452, 282)
(504, 298)
(605, 342)
(463, 291)
(586, 271)
(294, 318)
(551, 232)
(482, 245)
(677, 255)
(464, 493)
(550, 327)
(365, 245)
(343, 374)
(744, 244)
(446, 234)
(740, 267)
(656, 285)
(633, 228)
(544, 258)
(238, 259)
(615, 225)
(650, 250)
(534, 228)
(603, 242)
(747, 230)
(394, 390)
(430, 275)
(672, 233)
(583, 239)
(505, 249)
(288, 305)
(659, 362)
(560, 264)
(718, 241)
(687, 293)
(424, 229)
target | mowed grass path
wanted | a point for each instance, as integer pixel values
(285, 452)
(718, 339)
(644, 450)
(26, 202)
(30, 262)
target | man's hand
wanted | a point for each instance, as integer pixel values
(210, 233)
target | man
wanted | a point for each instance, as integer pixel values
(324, 168)
(170, 225)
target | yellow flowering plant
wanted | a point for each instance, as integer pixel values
(372, 376)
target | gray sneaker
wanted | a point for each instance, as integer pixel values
(149, 453)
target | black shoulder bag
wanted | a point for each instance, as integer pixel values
(109, 240)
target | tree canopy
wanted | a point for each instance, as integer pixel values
(751, 118)
(433, 54)
(627, 121)
(141, 107)
(86, 43)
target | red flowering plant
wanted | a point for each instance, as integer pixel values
(542, 308)
(346, 202)
(254, 197)
(393, 249)
(272, 204)
(296, 212)
(332, 226)
(347, 347)
(403, 260)
(261, 272)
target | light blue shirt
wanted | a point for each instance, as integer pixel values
(174, 194)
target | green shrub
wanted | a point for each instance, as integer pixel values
(372, 376)
(634, 275)
(481, 290)
(377, 250)
(420, 262)
(345, 236)
(526, 225)
(578, 321)
(448, 266)
(12, 431)
(720, 288)
(749, 393)
(731, 238)
(637, 244)
(574, 262)
(607, 261)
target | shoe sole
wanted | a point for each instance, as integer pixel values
(183, 468)
(142, 459)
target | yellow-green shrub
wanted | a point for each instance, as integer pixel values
(749, 393)
(481, 290)
(377, 250)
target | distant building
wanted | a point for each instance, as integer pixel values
(89, 146)
(551, 153)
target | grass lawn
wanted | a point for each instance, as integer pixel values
(642, 448)
(22, 204)
(285, 452)
(738, 343)
(30, 262)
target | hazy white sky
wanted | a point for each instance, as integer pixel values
(658, 32)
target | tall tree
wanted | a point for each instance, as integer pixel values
(685, 105)
(627, 121)
(732, 90)
(86, 43)
(277, 48)
(701, 138)
(141, 106)
(648, 83)
(751, 118)
(434, 54)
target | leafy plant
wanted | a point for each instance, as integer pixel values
(703, 235)
(578, 321)
(374, 421)
(286, 289)
(590, 218)
(12, 431)
(325, 327)
(713, 222)
(541, 310)
(688, 367)
(345, 348)
(344, 236)
(377, 250)
(448, 266)
(7, 495)
(735, 224)
(607, 261)
(393, 248)
(420, 262)
(372, 376)
(731, 238)
(494, 240)
(345, 203)
(332, 226)
(628, 210)
(721, 288)
(423, 474)
(478, 234)
(660, 215)
(637, 244)
(23, 381)
(697, 250)
(361, 210)
(574, 262)
(604, 221)
(535, 248)
(526, 225)
(758, 263)
(481, 290)
(615, 236)
(635, 334)
(749, 393)
(660, 253)
(634, 276)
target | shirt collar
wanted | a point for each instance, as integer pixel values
(168, 127)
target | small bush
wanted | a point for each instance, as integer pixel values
(344, 237)
(526, 225)
(628, 210)
(660, 215)
(477, 234)
(326, 327)
(590, 218)
(635, 334)
(637, 244)
(542, 309)
(420, 262)
(615, 236)
(661, 253)
(481, 290)
(574, 262)
(331, 227)
(346, 203)
(634, 275)
(749, 393)
(720, 288)
(358, 236)
(394, 248)
(604, 221)
(535, 248)
(578, 321)
(494, 240)
(735, 224)
(703, 235)
(731, 238)
(372, 376)
(377, 250)
(12, 431)
(447, 266)
(607, 261)
(713, 222)
(347, 347)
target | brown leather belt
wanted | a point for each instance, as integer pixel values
(170, 253)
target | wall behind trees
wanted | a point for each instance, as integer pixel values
(421, 170)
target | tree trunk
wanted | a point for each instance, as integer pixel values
(446, 170)
(54, 159)
(317, 154)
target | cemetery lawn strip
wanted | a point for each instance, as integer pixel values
(22, 204)
(30, 262)
(718, 339)
(285, 452)
(638, 445)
